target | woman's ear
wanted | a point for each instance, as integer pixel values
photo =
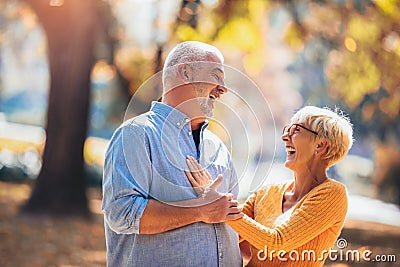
(322, 146)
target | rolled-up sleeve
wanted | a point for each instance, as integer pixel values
(126, 179)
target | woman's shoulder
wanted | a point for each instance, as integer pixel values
(335, 186)
(330, 189)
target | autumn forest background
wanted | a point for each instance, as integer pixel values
(69, 68)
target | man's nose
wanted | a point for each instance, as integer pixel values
(222, 89)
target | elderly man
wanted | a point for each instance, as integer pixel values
(151, 214)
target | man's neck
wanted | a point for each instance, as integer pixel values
(195, 121)
(195, 124)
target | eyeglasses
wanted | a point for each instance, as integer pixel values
(290, 130)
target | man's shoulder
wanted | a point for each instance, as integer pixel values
(139, 121)
(134, 127)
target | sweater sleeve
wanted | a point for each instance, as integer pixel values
(248, 210)
(248, 206)
(319, 211)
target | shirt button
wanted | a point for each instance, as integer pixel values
(220, 254)
(187, 120)
(178, 123)
(189, 133)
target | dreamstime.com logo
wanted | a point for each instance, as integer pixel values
(340, 254)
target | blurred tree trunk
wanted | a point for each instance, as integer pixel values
(70, 30)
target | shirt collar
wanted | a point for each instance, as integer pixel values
(172, 115)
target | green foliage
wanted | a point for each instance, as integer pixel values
(353, 75)
(241, 33)
(363, 30)
(364, 58)
(233, 24)
(294, 37)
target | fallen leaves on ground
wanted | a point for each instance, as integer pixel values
(68, 242)
(37, 241)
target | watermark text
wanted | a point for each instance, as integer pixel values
(340, 254)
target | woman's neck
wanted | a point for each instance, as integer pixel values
(305, 181)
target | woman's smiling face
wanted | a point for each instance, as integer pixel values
(300, 145)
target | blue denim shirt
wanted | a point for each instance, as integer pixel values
(146, 159)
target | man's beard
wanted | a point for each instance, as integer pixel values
(202, 99)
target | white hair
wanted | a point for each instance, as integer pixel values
(334, 126)
(188, 52)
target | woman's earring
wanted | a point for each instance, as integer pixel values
(316, 152)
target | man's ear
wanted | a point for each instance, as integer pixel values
(183, 72)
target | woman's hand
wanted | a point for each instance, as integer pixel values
(214, 207)
(198, 177)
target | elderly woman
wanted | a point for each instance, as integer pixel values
(297, 222)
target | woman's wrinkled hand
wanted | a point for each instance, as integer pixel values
(198, 176)
(214, 207)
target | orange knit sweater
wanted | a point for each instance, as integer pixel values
(311, 226)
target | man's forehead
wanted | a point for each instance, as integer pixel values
(215, 63)
(211, 66)
(219, 69)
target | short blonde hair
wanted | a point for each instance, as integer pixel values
(334, 126)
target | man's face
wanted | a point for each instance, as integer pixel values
(208, 85)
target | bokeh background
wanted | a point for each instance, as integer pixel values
(69, 68)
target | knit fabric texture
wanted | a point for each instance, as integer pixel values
(300, 236)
